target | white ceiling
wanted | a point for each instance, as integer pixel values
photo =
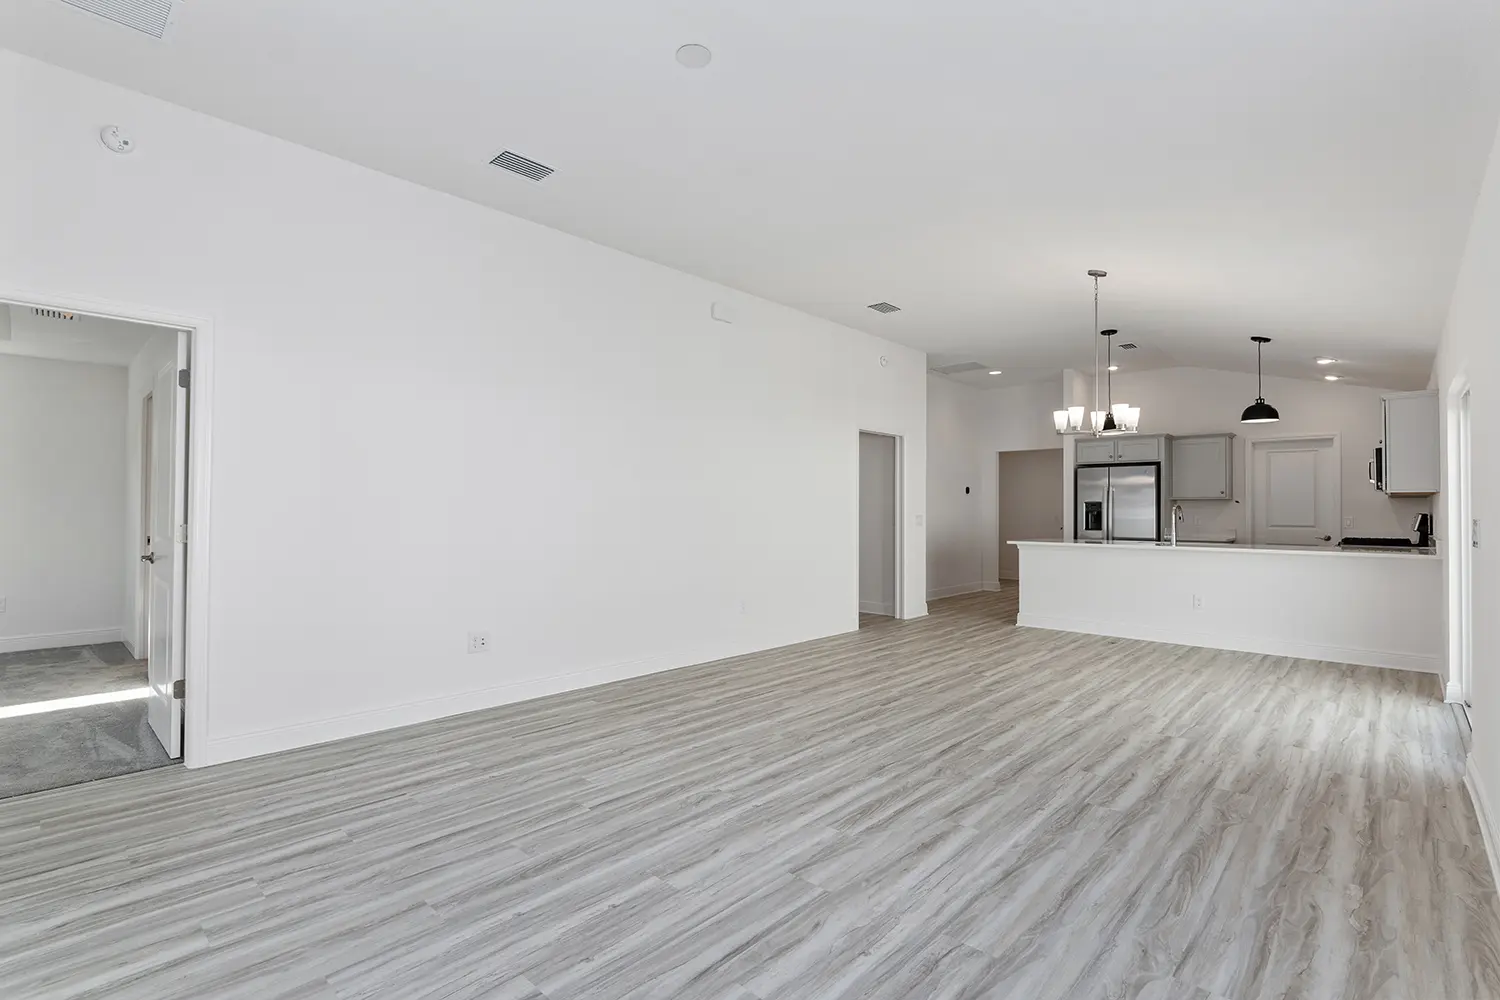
(1302, 169)
(83, 338)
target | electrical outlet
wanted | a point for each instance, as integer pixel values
(479, 642)
(1348, 522)
(1197, 602)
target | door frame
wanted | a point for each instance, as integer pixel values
(900, 518)
(199, 467)
(1252, 444)
(1457, 537)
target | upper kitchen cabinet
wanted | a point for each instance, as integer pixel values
(1410, 447)
(1094, 451)
(1099, 451)
(1203, 467)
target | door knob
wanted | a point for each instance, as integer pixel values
(149, 557)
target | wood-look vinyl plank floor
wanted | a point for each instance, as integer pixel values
(945, 808)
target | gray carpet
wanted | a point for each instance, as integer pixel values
(45, 674)
(52, 749)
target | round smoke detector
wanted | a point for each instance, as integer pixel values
(115, 140)
(694, 56)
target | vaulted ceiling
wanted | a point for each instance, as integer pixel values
(1301, 169)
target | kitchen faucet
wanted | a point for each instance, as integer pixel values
(1177, 515)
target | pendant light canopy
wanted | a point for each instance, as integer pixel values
(1113, 418)
(1260, 411)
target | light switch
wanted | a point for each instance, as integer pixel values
(1474, 535)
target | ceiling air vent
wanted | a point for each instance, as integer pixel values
(884, 307)
(1127, 347)
(53, 314)
(151, 16)
(961, 367)
(520, 165)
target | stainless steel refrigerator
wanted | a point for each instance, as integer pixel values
(1119, 502)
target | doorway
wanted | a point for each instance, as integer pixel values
(1030, 499)
(879, 525)
(1295, 491)
(92, 653)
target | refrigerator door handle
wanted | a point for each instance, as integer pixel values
(1109, 513)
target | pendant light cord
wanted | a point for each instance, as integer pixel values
(1096, 349)
(1260, 388)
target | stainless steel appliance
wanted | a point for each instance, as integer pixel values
(1422, 525)
(1120, 502)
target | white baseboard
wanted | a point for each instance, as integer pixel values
(876, 608)
(1421, 662)
(995, 586)
(265, 741)
(56, 640)
(1453, 695)
(1482, 810)
(939, 593)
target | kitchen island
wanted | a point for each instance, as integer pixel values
(1381, 609)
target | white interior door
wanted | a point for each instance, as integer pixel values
(1296, 492)
(165, 619)
(877, 524)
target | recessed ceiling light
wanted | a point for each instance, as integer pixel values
(1332, 378)
(1114, 368)
(1327, 361)
(997, 372)
(694, 56)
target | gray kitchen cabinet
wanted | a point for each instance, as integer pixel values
(1138, 449)
(1410, 446)
(1099, 451)
(1203, 467)
(1095, 451)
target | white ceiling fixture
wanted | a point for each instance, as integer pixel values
(997, 372)
(115, 140)
(776, 176)
(150, 16)
(1113, 368)
(1327, 361)
(1332, 378)
(694, 56)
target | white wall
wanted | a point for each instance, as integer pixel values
(1201, 400)
(877, 524)
(1014, 419)
(967, 429)
(431, 418)
(954, 517)
(158, 352)
(62, 473)
(1470, 351)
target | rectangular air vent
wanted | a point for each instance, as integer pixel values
(520, 165)
(52, 314)
(961, 367)
(151, 16)
(1127, 347)
(884, 307)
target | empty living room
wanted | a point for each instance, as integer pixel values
(805, 501)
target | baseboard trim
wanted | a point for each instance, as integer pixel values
(1420, 662)
(876, 608)
(224, 749)
(1482, 810)
(995, 586)
(56, 640)
(1452, 695)
(939, 593)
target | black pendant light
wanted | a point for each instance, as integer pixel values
(1109, 382)
(1260, 411)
